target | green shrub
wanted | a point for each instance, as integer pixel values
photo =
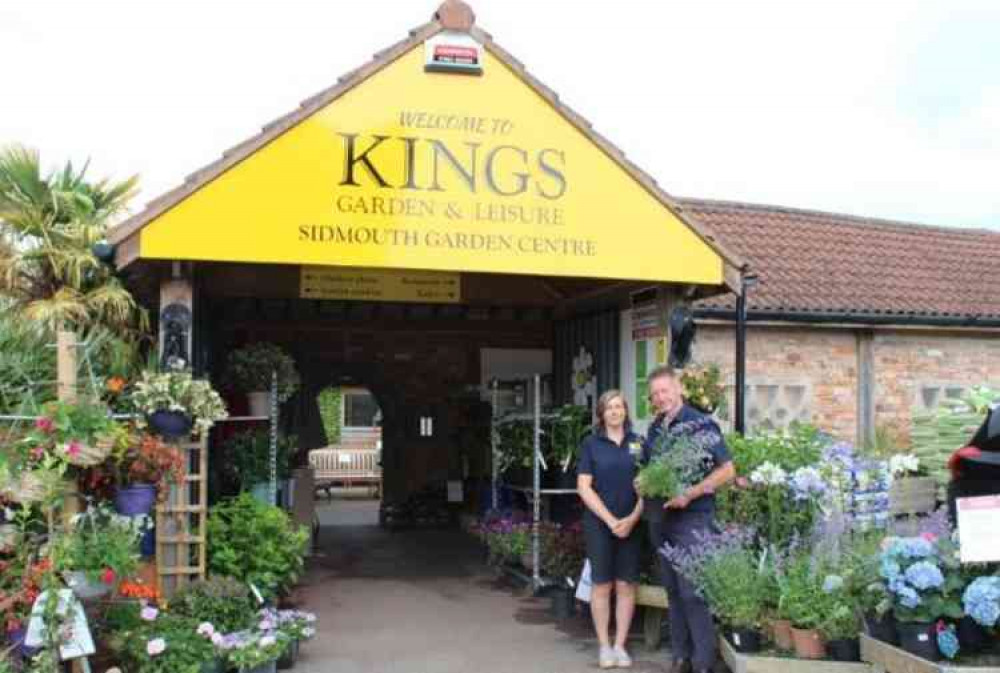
(249, 369)
(255, 542)
(224, 602)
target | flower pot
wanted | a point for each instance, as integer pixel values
(260, 403)
(563, 603)
(135, 500)
(919, 638)
(782, 631)
(912, 495)
(744, 640)
(971, 636)
(844, 649)
(147, 545)
(214, 666)
(808, 643)
(170, 424)
(882, 628)
(289, 656)
(84, 588)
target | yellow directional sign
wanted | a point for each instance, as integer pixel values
(324, 282)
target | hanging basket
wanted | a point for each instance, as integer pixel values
(170, 424)
(90, 455)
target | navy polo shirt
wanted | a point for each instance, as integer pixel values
(613, 467)
(702, 429)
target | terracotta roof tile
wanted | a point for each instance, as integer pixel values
(809, 261)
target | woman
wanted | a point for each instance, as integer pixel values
(605, 477)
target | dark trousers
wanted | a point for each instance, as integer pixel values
(692, 631)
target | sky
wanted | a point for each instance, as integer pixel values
(884, 109)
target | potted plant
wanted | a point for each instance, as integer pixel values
(254, 651)
(924, 579)
(143, 468)
(568, 426)
(249, 370)
(981, 604)
(249, 456)
(806, 603)
(221, 601)
(840, 625)
(256, 542)
(703, 389)
(168, 643)
(97, 549)
(677, 463)
(562, 557)
(296, 625)
(912, 491)
(733, 582)
(174, 404)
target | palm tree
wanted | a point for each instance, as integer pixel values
(48, 227)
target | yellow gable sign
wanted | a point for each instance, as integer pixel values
(419, 170)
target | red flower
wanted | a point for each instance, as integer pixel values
(108, 577)
(44, 424)
(73, 449)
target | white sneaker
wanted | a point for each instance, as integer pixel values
(607, 657)
(621, 658)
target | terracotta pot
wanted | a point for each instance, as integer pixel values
(808, 643)
(781, 629)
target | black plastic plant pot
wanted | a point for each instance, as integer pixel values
(971, 636)
(919, 638)
(563, 603)
(882, 628)
(170, 424)
(289, 656)
(744, 640)
(844, 649)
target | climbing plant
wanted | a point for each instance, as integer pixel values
(330, 401)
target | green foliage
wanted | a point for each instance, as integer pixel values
(184, 651)
(96, 542)
(330, 402)
(671, 472)
(799, 446)
(249, 454)
(25, 359)
(224, 602)
(569, 425)
(48, 227)
(735, 586)
(257, 649)
(255, 542)
(179, 391)
(803, 600)
(249, 369)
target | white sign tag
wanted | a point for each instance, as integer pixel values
(78, 643)
(978, 522)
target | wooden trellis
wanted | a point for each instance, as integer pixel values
(181, 522)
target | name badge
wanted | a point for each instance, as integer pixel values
(634, 448)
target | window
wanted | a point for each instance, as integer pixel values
(360, 410)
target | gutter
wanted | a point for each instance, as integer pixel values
(842, 317)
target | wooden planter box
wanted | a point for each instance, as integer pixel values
(653, 598)
(764, 663)
(886, 658)
(913, 495)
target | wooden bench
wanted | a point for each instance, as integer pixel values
(346, 466)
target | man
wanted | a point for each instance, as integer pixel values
(692, 632)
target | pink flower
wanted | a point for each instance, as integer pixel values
(206, 629)
(742, 482)
(930, 537)
(38, 453)
(149, 613)
(156, 646)
(44, 424)
(73, 449)
(108, 576)
(218, 639)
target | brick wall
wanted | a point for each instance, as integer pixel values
(826, 361)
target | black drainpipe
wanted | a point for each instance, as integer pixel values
(746, 282)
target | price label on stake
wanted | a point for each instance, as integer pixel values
(978, 521)
(256, 593)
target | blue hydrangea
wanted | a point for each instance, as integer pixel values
(807, 483)
(924, 575)
(908, 598)
(947, 642)
(890, 569)
(981, 600)
(915, 547)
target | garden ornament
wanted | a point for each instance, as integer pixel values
(682, 332)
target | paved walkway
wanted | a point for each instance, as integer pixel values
(424, 602)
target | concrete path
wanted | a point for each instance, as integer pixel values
(424, 602)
